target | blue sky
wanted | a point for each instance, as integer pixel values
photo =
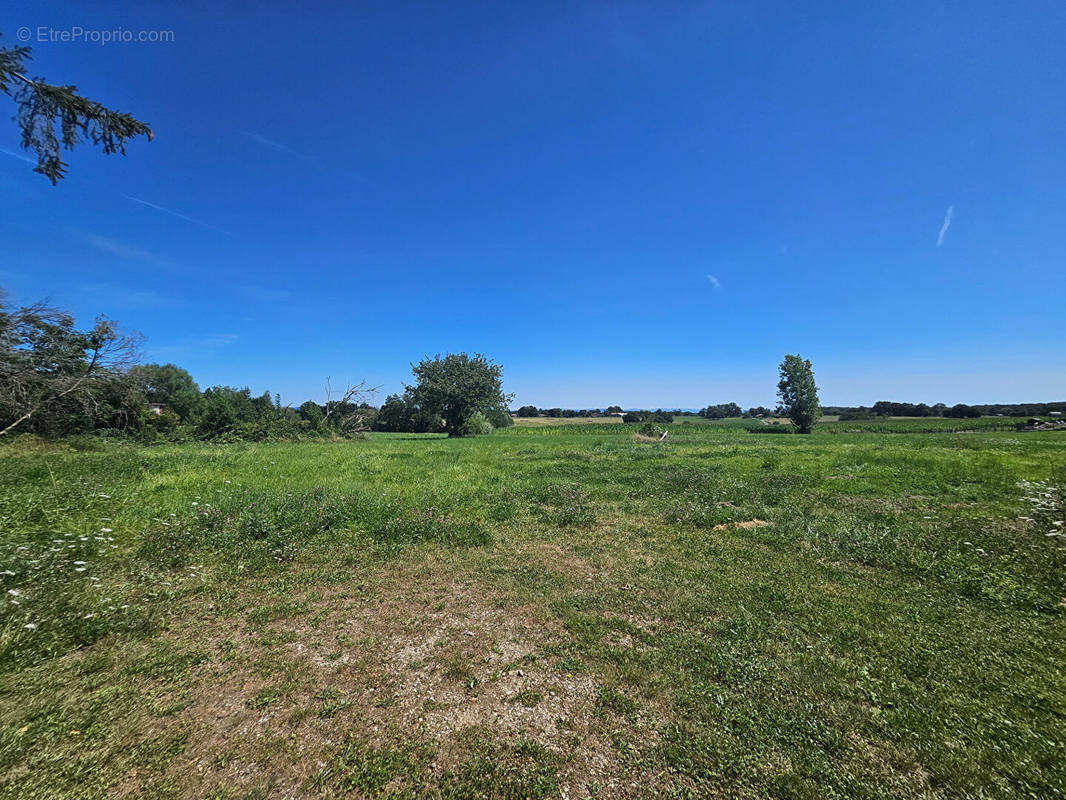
(642, 204)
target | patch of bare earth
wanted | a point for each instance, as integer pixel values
(417, 660)
(746, 524)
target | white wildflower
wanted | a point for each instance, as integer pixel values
(105, 530)
(30, 626)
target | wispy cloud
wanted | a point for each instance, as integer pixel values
(215, 339)
(19, 156)
(308, 159)
(258, 138)
(124, 296)
(115, 247)
(944, 227)
(717, 284)
(191, 345)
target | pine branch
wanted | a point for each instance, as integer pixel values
(44, 107)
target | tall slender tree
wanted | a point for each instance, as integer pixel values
(798, 393)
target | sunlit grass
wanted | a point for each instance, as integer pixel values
(896, 629)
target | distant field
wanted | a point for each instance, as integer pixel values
(828, 424)
(535, 422)
(548, 611)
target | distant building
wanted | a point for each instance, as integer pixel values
(1054, 413)
(155, 408)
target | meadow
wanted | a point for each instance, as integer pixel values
(874, 610)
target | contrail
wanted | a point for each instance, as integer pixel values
(714, 281)
(19, 156)
(945, 226)
(194, 221)
(255, 137)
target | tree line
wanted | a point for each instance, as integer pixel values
(58, 380)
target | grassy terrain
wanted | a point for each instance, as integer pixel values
(552, 611)
(544, 422)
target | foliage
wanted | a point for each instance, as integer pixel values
(400, 414)
(43, 108)
(54, 378)
(721, 411)
(171, 386)
(798, 393)
(528, 411)
(475, 425)
(962, 411)
(499, 417)
(456, 387)
(650, 429)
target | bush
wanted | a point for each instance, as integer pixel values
(476, 425)
(650, 429)
(500, 418)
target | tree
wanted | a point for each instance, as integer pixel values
(311, 412)
(721, 411)
(528, 411)
(45, 362)
(349, 414)
(798, 393)
(170, 386)
(43, 107)
(456, 387)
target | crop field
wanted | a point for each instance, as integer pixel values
(551, 611)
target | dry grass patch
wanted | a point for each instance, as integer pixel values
(432, 662)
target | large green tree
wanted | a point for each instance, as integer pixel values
(458, 386)
(171, 386)
(798, 393)
(53, 117)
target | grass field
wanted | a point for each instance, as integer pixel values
(545, 422)
(545, 612)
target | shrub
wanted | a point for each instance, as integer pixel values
(650, 429)
(475, 425)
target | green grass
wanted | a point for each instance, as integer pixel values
(550, 608)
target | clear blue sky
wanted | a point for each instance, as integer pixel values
(642, 204)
